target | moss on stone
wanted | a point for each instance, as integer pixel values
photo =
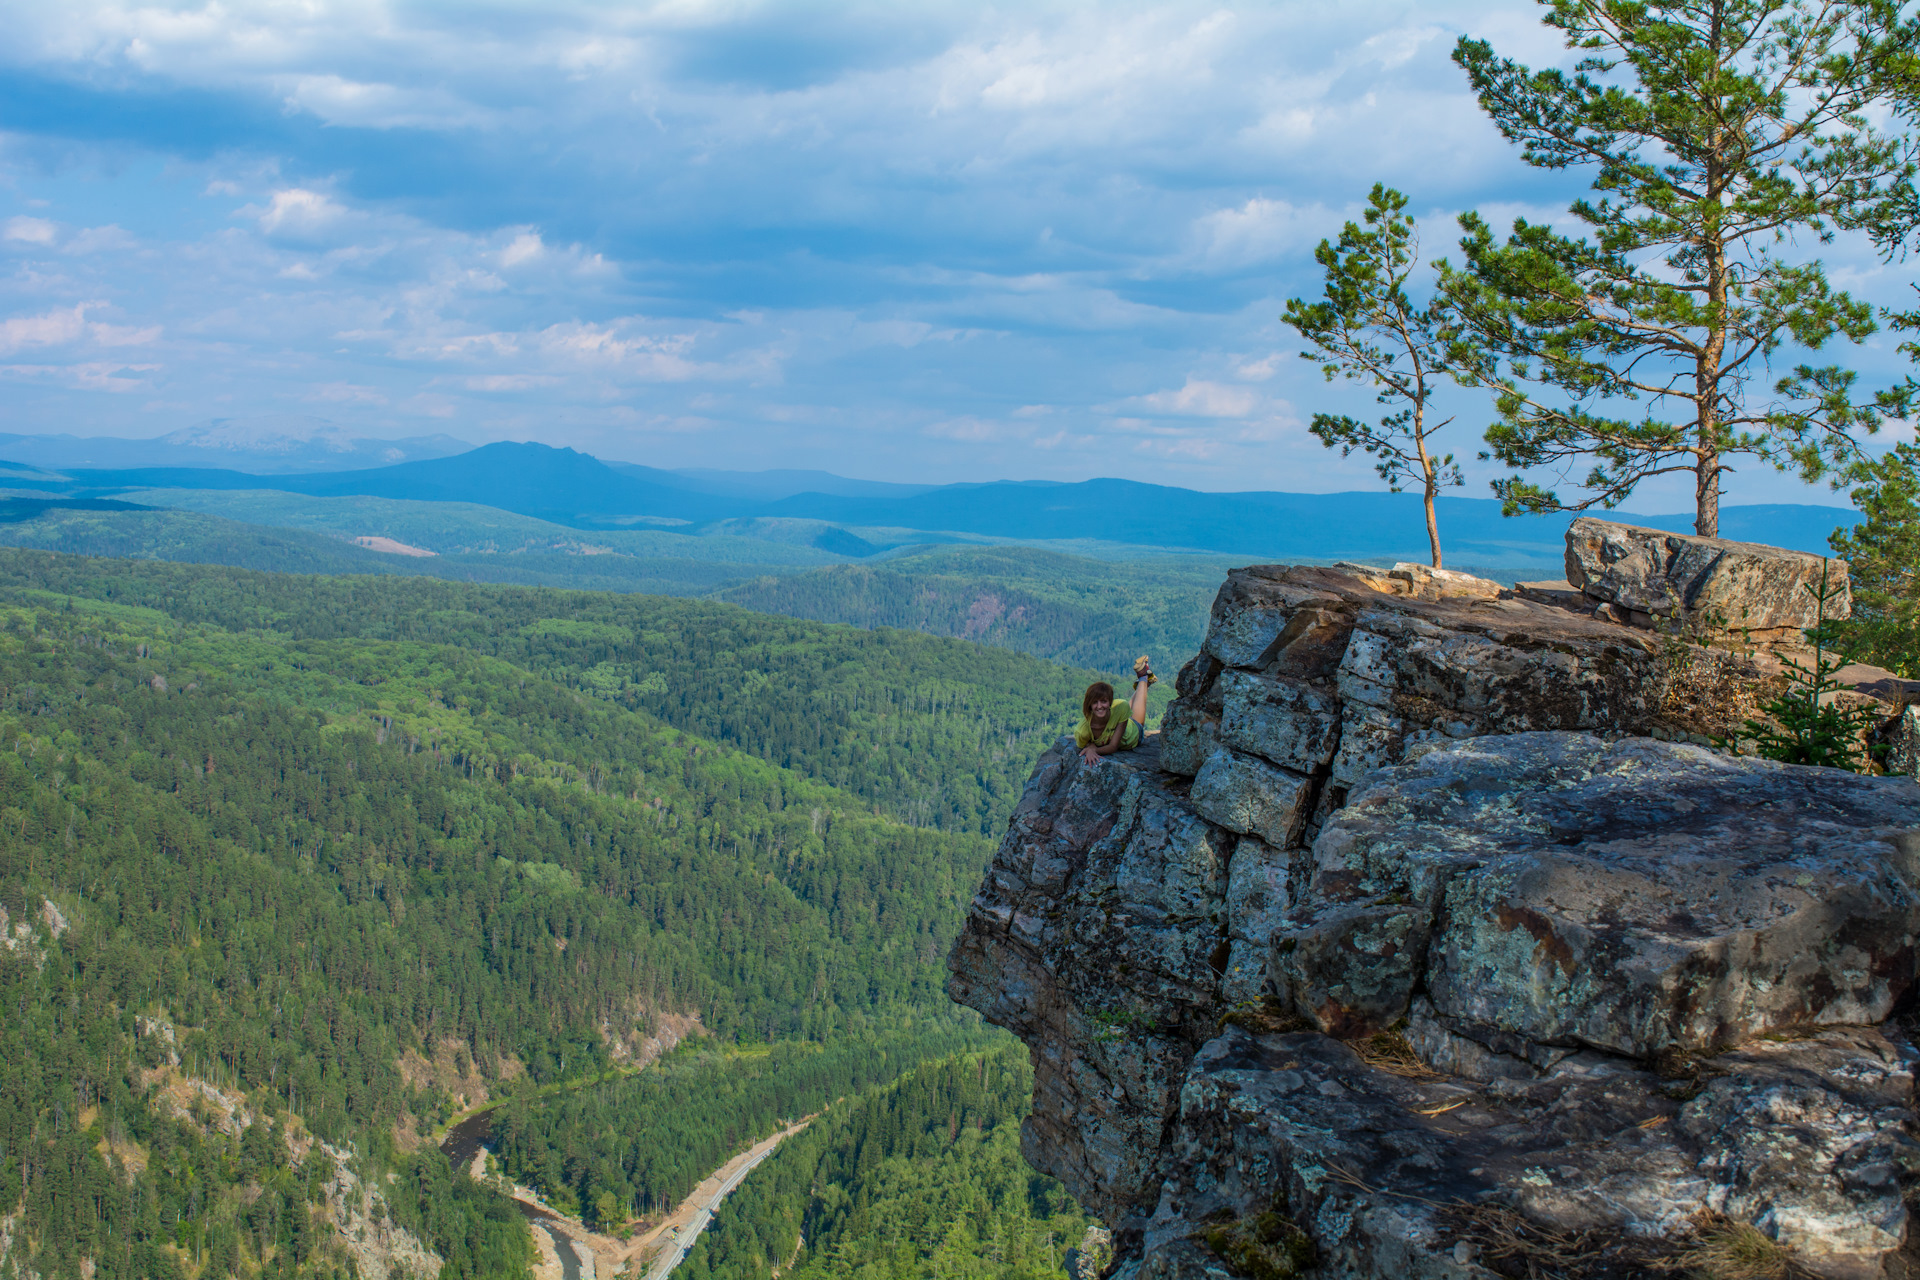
(1264, 1246)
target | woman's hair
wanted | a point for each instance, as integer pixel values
(1096, 691)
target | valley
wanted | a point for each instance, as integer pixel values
(397, 886)
(273, 838)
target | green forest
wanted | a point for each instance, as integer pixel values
(920, 1177)
(932, 731)
(1064, 608)
(264, 837)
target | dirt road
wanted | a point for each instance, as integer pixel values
(658, 1251)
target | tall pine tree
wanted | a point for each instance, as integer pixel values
(1723, 137)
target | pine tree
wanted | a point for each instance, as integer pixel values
(1723, 136)
(1368, 328)
(1883, 556)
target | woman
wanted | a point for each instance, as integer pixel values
(1101, 733)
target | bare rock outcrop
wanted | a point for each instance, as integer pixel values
(1341, 965)
(1326, 674)
(1640, 575)
(1638, 897)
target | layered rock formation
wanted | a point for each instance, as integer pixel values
(1342, 965)
(1311, 677)
(1638, 576)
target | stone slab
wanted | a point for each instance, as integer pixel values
(1288, 722)
(1729, 585)
(1246, 794)
(1635, 896)
(1392, 1177)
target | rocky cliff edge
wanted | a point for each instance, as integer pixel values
(1340, 972)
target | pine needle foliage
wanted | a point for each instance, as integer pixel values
(1723, 137)
(1368, 328)
(1804, 725)
(1883, 553)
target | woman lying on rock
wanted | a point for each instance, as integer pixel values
(1101, 731)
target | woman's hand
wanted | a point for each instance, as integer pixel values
(1091, 755)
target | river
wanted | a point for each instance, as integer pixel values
(677, 1231)
(464, 1141)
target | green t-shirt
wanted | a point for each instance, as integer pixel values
(1129, 733)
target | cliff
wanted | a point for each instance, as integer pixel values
(1427, 941)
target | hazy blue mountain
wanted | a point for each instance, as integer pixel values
(1278, 525)
(574, 489)
(771, 486)
(528, 479)
(457, 528)
(264, 445)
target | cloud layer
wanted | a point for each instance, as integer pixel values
(907, 242)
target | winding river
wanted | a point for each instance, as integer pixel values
(464, 1141)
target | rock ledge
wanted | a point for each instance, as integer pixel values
(1327, 948)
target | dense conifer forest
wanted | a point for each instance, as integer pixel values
(922, 1177)
(267, 841)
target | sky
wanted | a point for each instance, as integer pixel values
(922, 242)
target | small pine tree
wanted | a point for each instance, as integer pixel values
(1802, 728)
(1368, 328)
(1883, 551)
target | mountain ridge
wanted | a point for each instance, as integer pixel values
(568, 487)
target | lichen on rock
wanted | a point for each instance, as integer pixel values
(1630, 986)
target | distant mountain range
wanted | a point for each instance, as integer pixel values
(574, 489)
(267, 445)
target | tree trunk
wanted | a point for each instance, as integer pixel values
(1706, 367)
(1706, 494)
(1433, 525)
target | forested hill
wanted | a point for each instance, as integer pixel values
(267, 841)
(1056, 606)
(934, 731)
(920, 1178)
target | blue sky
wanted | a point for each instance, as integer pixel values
(907, 242)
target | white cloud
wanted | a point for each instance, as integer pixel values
(508, 382)
(97, 375)
(525, 248)
(60, 327)
(107, 239)
(346, 393)
(340, 101)
(1259, 370)
(49, 329)
(299, 212)
(1257, 230)
(30, 230)
(431, 406)
(1201, 399)
(970, 430)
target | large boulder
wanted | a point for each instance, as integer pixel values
(1328, 673)
(1637, 896)
(1708, 583)
(1582, 994)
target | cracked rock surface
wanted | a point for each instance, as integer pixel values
(1670, 575)
(1325, 674)
(1538, 986)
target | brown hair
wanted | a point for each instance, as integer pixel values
(1097, 690)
